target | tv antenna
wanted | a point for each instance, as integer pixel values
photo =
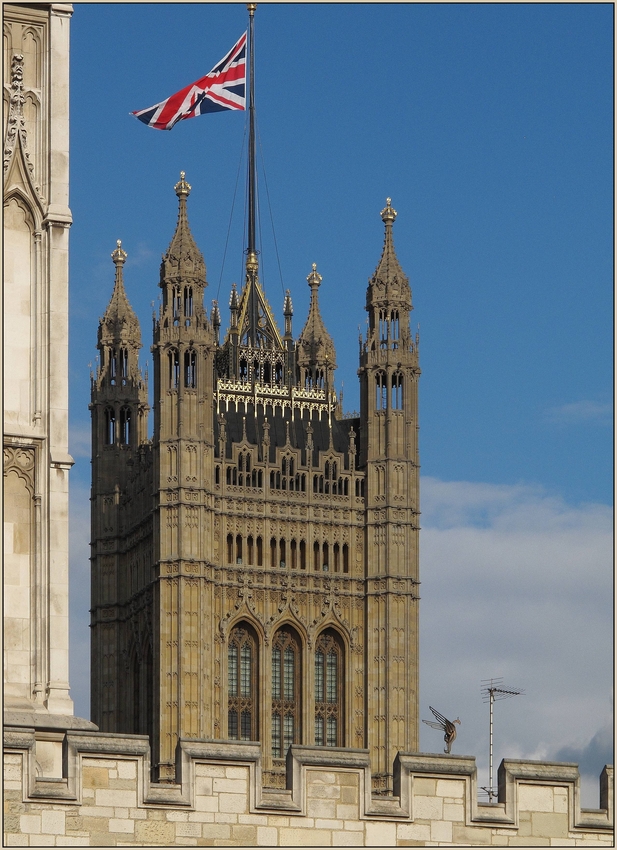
(493, 689)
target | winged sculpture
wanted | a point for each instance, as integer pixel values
(447, 727)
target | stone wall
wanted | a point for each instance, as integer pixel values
(104, 797)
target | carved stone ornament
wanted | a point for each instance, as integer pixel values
(16, 125)
(20, 461)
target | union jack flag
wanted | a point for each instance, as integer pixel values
(223, 88)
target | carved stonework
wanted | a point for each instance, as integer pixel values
(21, 461)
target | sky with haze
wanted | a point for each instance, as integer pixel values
(491, 128)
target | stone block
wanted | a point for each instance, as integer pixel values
(451, 788)
(517, 841)
(95, 777)
(427, 808)
(290, 837)
(108, 797)
(216, 830)
(206, 804)
(413, 832)
(44, 840)
(380, 834)
(255, 820)
(347, 839)
(11, 823)
(30, 824)
(347, 811)
(53, 822)
(190, 830)
(350, 794)
(441, 830)
(230, 786)
(453, 812)
(175, 816)
(535, 798)
(473, 835)
(233, 803)
(226, 817)
(320, 776)
(560, 800)
(549, 824)
(321, 808)
(423, 786)
(16, 840)
(154, 832)
(121, 825)
(244, 835)
(127, 770)
(267, 836)
(324, 791)
(237, 773)
(328, 823)
(217, 770)
(76, 841)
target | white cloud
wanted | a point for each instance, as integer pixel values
(516, 583)
(583, 412)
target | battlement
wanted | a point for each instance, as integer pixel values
(104, 790)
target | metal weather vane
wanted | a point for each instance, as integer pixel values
(446, 726)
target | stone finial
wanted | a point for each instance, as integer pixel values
(314, 279)
(288, 309)
(182, 188)
(119, 255)
(388, 214)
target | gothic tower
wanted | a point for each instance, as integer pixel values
(389, 453)
(119, 409)
(268, 542)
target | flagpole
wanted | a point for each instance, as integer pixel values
(252, 264)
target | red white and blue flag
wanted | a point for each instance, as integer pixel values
(223, 88)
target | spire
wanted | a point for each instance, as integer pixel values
(315, 346)
(389, 282)
(119, 324)
(183, 258)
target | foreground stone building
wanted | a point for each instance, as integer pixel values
(255, 563)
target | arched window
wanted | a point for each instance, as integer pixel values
(113, 367)
(249, 549)
(302, 554)
(242, 678)
(259, 552)
(176, 304)
(230, 549)
(174, 369)
(345, 558)
(124, 365)
(273, 552)
(397, 391)
(381, 391)
(125, 426)
(239, 549)
(188, 301)
(329, 690)
(190, 370)
(110, 426)
(286, 697)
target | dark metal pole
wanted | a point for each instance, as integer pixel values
(251, 259)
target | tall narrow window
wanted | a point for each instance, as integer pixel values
(190, 363)
(113, 367)
(110, 426)
(242, 684)
(286, 700)
(174, 369)
(381, 391)
(397, 391)
(124, 365)
(125, 426)
(188, 301)
(329, 690)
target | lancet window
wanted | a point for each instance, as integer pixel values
(381, 391)
(329, 690)
(286, 687)
(125, 426)
(190, 369)
(110, 426)
(242, 678)
(174, 369)
(397, 391)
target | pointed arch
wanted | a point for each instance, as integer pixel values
(242, 682)
(329, 689)
(286, 690)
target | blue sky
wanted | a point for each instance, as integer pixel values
(491, 127)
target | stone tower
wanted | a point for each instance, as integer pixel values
(262, 559)
(119, 409)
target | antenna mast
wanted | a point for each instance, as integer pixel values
(491, 690)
